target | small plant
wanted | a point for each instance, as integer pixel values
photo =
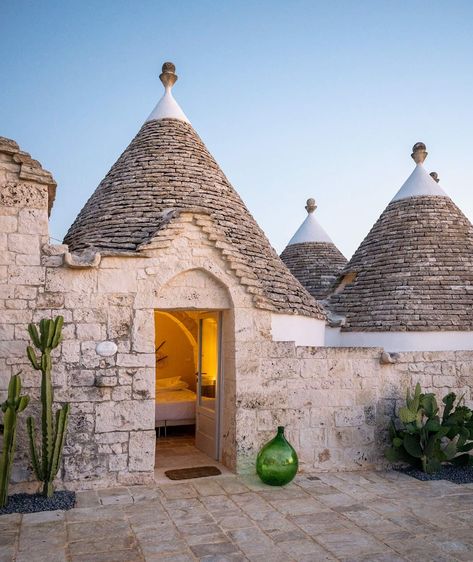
(426, 440)
(47, 465)
(13, 405)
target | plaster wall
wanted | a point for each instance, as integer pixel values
(300, 329)
(401, 341)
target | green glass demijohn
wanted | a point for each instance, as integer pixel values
(277, 462)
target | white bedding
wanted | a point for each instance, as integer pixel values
(175, 405)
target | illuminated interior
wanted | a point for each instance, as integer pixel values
(186, 344)
(176, 347)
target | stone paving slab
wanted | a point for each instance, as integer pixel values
(346, 517)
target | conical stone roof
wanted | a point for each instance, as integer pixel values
(312, 257)
(414, 270)
(167, 169)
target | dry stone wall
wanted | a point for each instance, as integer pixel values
(336, 403)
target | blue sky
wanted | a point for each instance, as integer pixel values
(294, 99)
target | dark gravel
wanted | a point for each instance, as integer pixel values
(456, 474)
(32, 503)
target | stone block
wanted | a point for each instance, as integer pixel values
(28, 259)
(70, 351)
(104, 380)
(12, 348)
(118, 322)
(141, 449)
(25, 292)
(50, 300)
(352, 416)
(321, 416)
(136, 360)
(279, 369)
(54, 249)
(33, 221)
(7, 258)
(110, 281)
(66, 280)
(143, 335)
(90, 332)
(23, 243)
(128, 415)
(83, 377)
(117, 462)
(122, 393)
(6, 332)
(26, 275)
(8, 224)
(444, 380)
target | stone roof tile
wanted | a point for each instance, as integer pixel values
(166, 169)
(413, 271)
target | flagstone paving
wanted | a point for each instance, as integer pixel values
(349, 517)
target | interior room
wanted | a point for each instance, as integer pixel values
(188, 384)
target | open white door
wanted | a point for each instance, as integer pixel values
(208, 384)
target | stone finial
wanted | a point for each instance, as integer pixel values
(168, 75)
(434, 176)
(419, 152)
(310, 205)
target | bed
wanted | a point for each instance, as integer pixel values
(174, 407)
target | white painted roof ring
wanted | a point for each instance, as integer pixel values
(310, 230)
(420, 182)
(167, 107)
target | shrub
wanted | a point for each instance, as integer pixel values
(425, 440)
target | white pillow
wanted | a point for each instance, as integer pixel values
(181, 385)
(170, 381)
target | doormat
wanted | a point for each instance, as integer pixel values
(193, 472)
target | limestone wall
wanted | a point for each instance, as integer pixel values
(337, 402)
(111, 437)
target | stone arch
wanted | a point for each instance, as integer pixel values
(199, 289)
(194, 289)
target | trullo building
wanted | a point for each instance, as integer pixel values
(409, 286)
(178, 313)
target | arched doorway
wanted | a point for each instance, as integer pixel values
(194, 364)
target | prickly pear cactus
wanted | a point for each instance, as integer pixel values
(13, 405)
(53, 431)
(425, 440)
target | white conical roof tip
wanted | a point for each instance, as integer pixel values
(167, 107)
(310, 230)
(420, 182)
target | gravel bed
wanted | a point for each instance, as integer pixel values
(456, 474)
(32, 503)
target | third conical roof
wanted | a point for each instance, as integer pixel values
(414, 270)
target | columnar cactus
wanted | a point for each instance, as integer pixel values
(13, 405)
(47, 465)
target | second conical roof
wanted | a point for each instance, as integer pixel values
(312, 257)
